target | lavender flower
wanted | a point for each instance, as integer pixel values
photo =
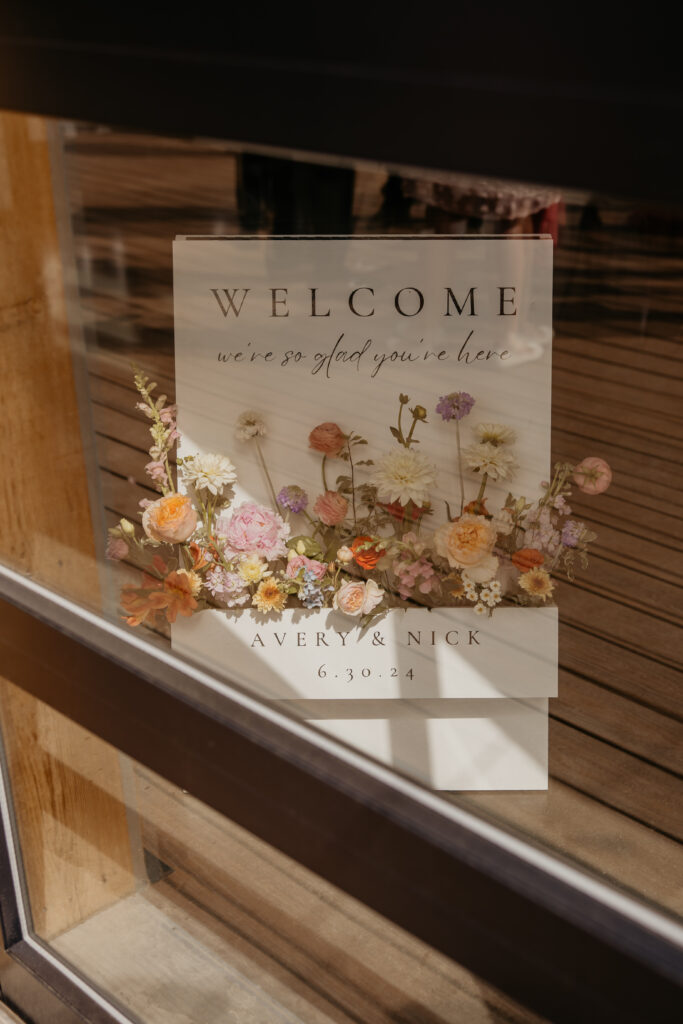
(571, 533)
(292, 497)
(455, 406)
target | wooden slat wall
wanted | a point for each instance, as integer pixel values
(615, 738)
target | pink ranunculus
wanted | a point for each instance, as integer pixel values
(593, 475)
(298, 562)
(331, 508)
(253, 529)
(327, 438)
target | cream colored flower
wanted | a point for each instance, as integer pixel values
(487, 458)
(537, 583)
(495, 433)
(209, 472)
(402, 475)
(250, 425)
(253, 569)
(344, 554)
(468, 544)
(480, 609)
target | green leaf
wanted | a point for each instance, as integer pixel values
(395, 433)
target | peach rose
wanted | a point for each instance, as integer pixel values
(593, 475)
(170, 519)
(467, 544)
(331, 508)
(357, 597)
(327, 438)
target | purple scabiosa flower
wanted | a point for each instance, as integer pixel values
(455, 406)
(292, 497)
(571, 533)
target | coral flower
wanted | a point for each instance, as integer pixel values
(593, 475)
(180, 589)
(331, 508)
(141, 605)
(527, 558)
(170, 519)
(366, 557)
(327, 438)
(269, 597)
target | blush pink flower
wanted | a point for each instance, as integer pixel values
(253, 529)
(116, 548)
(327, 438)
(298, 562)
(331, 508)
(357, 597)
(593, 475)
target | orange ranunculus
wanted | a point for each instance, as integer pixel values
(366, 558)
(327, 438)
(476, 508)
(170, 519)
(527, 558)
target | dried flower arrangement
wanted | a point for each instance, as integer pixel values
(362, 547)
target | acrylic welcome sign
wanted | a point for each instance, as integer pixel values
(363, 522)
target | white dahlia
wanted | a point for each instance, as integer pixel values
(402, 475)
(487, 458)
(495, 433)
(209, 472)
(250, 425)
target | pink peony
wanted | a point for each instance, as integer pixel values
(253, 529)
(298, 562)
(331, 508)
(593, 475)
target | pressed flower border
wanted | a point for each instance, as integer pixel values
(364, 547)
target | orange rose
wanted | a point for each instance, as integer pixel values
(327, 438)
(468, 543)
(170, 519)
(367, 558)
(527, 558)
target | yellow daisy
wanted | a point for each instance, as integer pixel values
(537, 583)
(269, 597)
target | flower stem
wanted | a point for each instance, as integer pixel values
(265, 470)
(482, 487)
(353, 487)
(322, 469)
(462, 481)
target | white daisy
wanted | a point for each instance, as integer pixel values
(402, 475)
(495, 587)
(250, 425)
(487, 458)
(495, 433)
(480, 609)
(209, 472)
